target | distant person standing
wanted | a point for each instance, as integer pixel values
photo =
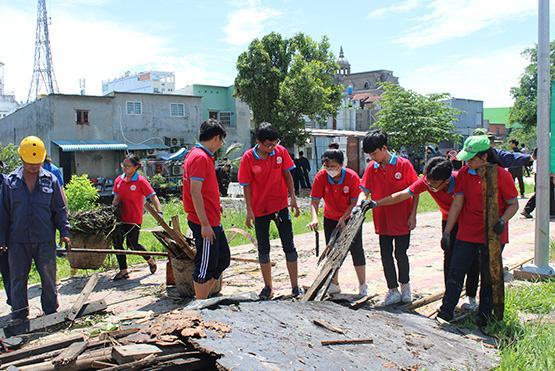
(223, 174)
(305, 169)
(517, 171)
(295, 173)
(4, 262)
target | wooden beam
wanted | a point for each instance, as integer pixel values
(70, 354)
(116, 252)
(347, 341)
(328, 326)
(39, 349)
(82, 298)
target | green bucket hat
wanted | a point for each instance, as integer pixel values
(473, 145)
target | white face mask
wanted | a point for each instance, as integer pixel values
(333, 173)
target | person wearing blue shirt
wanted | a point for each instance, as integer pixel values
(33, 204)
(4, 265)
(48, 165)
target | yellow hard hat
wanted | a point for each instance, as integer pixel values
(32, 151)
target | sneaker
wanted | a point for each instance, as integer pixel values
(363, 289)
(393, 296)
(266, 293)
(406, 295)
(471, 305)
(443, 318)
(334, 289)
(297, 291)
(526, 214)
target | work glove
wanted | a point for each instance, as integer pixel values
(445, 239)
(366, 205)
(499, 227)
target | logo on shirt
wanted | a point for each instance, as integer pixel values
(133, 187)
(279, 160)
(346, 189)
(398, 175)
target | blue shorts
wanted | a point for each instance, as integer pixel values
(212, 258)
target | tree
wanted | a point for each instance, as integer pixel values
(10, 157)
(524, 108)
(414, 120)
(285, 80)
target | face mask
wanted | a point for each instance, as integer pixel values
(333, 173)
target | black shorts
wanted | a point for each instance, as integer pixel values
(211, 259)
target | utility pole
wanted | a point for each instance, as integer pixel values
(43, 70)
(542, 239)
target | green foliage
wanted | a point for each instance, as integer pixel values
(284, 80)
(157, 180)
(80, 193)
(524, 109)
(10, 157)
(524, 135)
(413, 119)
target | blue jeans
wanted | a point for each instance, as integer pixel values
(21, 257)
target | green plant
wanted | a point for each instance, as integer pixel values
(80, 193)
(157, 181)
(10, 157)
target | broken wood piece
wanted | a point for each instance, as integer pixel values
(82, 298)
(49, 320)
(83, 362)
(100, 364)
(70, 354)
(133, 352)
(116, 252)
(116, 334)
(175, 223)
(234, 231)
(347, 341)
(360, 302)
(248, 260)
(328, 326)
(39, 349)
(177, 237)
(135, 365)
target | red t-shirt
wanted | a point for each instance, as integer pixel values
(398, 175)
(131, 195)
(266, 179)
(337, 196)
(443, 198)
(471, 218)
(199, 165)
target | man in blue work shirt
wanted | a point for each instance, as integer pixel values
(35, 209)
(4, 266)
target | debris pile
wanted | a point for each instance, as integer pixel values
(101, 220)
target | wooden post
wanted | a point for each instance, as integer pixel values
(492, 242)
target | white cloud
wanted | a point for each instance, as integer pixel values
(404, 7)
(92, 49)
(488, 78)
(247, 22)
(449, 19)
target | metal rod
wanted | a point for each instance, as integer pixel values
(113, 251)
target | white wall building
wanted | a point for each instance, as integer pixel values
(156, 82)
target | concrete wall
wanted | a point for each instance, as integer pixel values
(96, 164)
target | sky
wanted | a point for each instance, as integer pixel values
(468, 48)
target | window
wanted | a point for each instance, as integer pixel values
(225, 118)
(134, 108)
(81, 117)
(177, 109)
(156, 90)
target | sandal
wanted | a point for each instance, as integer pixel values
(152, 265)
(121, 276)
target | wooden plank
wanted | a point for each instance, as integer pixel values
(70, 354)
(115, 252)
(39, 349)
(135, 365)
(360, 302)
(82, 298)
(175, 223)
(133, 352)
(177, 237)
(347, 341)
(328, 326)
(493, 245)
(83, 362)
(234, 231)
(44, 322)
(116, 334)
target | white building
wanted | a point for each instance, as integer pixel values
(156, 82)
(8, 104)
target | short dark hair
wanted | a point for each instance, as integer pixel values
(134, 159)
(333, 154)
(438, 168)
(210, 129)
(374, 140)
(301, 153)
(333, 145)
(492, 155)
(514, 141)
(266, 131)
(535, 152)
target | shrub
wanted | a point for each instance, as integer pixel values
(10, 157)
(81, 194)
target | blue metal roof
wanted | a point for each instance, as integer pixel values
(90, 145)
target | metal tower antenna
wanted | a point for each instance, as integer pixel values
(43, 71)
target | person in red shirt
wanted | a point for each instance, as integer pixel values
(385, 175)
(264, 173)
(439, 180)
(130, 190)
(339, 187)
(201, 201)
(468, 210)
